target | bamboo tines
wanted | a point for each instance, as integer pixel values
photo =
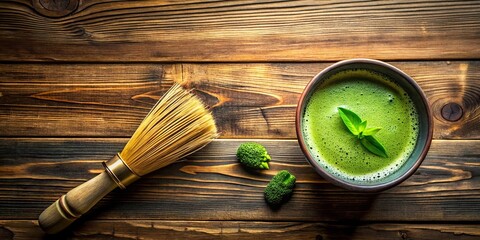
(176, 126)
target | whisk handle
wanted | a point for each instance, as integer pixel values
(79, 200)
(75, 203)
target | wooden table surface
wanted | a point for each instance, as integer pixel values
(77, 77)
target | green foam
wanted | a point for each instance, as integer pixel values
(374, 98)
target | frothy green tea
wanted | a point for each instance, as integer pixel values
(374, 98)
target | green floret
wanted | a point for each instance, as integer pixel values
(253, 155)
(280, 188)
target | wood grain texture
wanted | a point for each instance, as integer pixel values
(74, 86)
(211, 185)
(79, 100)
(164, 30)
(248, 100)
(238, 230)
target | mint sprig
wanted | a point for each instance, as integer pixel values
(359, 128)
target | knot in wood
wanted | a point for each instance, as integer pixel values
(452, 112)
(55, 8)
(403, 235)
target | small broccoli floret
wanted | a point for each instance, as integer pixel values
(253, 155)
(280, 188)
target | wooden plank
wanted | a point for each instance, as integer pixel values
(159, 30)
(211, 185)
(260, 99)
(151, 229)
(248, 100)
(79, 100)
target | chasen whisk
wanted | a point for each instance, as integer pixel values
(177, 126)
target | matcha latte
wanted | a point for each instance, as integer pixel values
(375, 98)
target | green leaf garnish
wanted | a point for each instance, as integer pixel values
(351, 120)
(374, 146)
(362, 126)
(371, 131)
(359, 128)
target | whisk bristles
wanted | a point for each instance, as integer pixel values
(178, 125)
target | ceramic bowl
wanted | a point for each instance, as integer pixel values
(415, 93)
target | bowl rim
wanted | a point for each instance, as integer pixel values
(340, 182)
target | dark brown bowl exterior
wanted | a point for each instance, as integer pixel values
(337, 181)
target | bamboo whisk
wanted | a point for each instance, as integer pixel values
(177, 126)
